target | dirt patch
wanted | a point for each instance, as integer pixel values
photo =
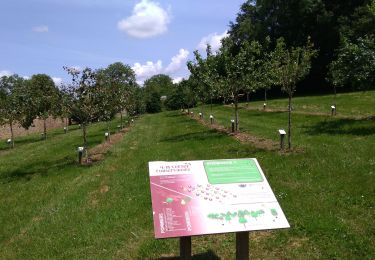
(328, 114)
(37, 127)
(98, 152)
(258, 142)
(246, 138)
(37, 219)
(104, 189)
(298, 242)
(262, 143)
(260, 236)
(96, 195)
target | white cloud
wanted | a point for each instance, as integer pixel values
(26, 77)
(40, 29)
(177, 80)
(177, 61)
(147, 20)
(212, 39)
(58, 81)
(147, 70)
(150, 68)
(5, 73)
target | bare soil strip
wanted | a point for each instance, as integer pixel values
(258, 142)
(371, 118)
(98, 152)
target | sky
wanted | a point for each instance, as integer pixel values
(151, 36)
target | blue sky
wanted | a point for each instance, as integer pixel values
(42, 36)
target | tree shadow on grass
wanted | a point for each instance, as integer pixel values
(21, 142)
(197, 136)
(175, 115)
(209, 255)
(342, 127)
(42, 168)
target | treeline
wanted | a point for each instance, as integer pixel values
(341, 31)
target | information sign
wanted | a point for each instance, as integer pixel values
(215, 196)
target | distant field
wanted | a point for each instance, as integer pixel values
(356, 104)
(36, 128)
(50, 207)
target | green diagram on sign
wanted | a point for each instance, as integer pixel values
(232, 171)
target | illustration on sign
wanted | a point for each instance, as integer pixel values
(216, 196)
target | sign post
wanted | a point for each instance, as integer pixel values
(242, 246)
(185, 248)
(191, 198)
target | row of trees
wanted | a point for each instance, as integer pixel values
(91, 96)
(241, 68)
(21, 101)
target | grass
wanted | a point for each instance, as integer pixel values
(355, 104)
(50, 207)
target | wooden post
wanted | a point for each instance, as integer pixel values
(242, 245)
(185, 248)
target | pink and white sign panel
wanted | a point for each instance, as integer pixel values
(208, 197)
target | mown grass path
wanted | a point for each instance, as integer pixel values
(52, 208)
(354, 104)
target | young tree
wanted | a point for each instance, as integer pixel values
(290, 66)
(354, 66)
(84, 103)
(153, 102)
(64, 107)
(182, 97)
(10, 102)
(107, 96)
(203, 71)
(45, 96)
(156, 88)
(121, 80)
(236, 68)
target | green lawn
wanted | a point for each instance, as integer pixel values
(50, 207)
(355, 104)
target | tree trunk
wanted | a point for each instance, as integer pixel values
(334, 98)
(84, 135)
(44, 129)
(236, 113)
(211, 105)
(265, 95)
(121, 125)
(247, 99)
(290, 123)
(11, 132)
(202, 109)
